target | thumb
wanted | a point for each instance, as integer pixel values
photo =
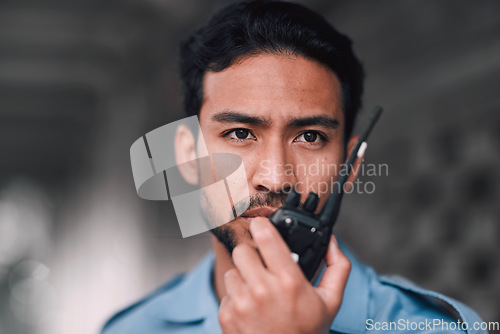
(334, 279)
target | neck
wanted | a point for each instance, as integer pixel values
(223, 263)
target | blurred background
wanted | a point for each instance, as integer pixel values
(81, 80)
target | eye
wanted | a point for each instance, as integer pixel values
(310, 137)
(238, 134)
(241, 133)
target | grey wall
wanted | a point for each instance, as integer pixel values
(81, 80)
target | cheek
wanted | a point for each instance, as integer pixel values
(317, 175)
(211, 143)
(216, 167)
(201, 146)
(205, 148)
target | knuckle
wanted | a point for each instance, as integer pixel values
(259, 292)
(225, 314)
(225, 317)
(229, 274)
(345, 263)
(264, 235)
(243, 306)
(289, 282)
(238, 250)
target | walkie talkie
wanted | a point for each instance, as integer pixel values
(307, 234)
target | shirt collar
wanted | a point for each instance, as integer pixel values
(194, 299)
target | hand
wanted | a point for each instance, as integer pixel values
(272, 295)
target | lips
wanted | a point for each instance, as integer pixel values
(262, 211)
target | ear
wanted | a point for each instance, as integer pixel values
(356, 166)
(185, 155)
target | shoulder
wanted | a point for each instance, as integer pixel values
(382, 303)
(186, 304)
(134, 317)
(410, 307)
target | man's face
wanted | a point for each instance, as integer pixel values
(283, 115)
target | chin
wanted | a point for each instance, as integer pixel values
(234, 233)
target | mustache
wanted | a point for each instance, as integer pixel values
(271, 199)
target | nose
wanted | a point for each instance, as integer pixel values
(275, 169)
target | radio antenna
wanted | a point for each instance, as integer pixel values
(331, 208)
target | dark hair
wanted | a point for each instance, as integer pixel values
(260, 26)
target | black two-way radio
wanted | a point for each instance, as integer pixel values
(307, 234)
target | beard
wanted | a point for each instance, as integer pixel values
(227, 235)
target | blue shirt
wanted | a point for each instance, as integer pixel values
(372, 303)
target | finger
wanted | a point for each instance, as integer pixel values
(249, 264)
(234, 283)
(273, 250)
(334, 279)
(224, 302)
(226, 316)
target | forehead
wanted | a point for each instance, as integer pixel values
(276, 87)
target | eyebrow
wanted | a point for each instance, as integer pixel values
(229, 116)
(237, 117)
(324, 121)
